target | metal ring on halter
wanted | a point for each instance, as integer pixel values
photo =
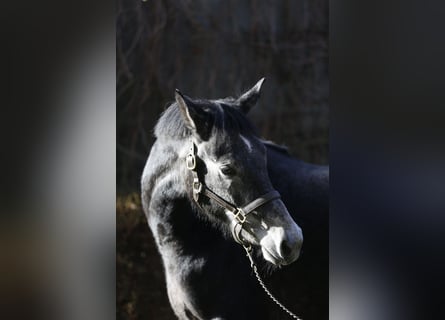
(236, 228)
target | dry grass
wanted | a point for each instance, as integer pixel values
(140, 280)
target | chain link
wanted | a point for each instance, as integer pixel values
(271, 296)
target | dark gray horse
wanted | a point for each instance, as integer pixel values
(209, 179)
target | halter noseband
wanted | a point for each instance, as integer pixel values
(240, 214)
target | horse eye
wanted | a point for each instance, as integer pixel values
(228, 170)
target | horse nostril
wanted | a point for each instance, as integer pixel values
(285, 249)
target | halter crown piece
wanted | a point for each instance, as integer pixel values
(239, 215)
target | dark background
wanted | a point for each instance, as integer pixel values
(215, 49)
(209, 49)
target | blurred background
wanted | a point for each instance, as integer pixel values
(58, 137)
(209, 49)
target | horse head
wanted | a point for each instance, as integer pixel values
(227, 178)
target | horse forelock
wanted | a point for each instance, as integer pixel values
(226, 117)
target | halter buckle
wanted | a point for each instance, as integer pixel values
(191, 161)
(239, 213)
(197, 187)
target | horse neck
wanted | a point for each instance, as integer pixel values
(167, 202)
(165, 164)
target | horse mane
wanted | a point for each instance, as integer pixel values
(170, 124)
(280, 148)
(226, 117)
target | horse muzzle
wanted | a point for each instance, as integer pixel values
(282, 246)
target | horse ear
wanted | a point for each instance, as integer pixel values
(195, 118)
(250, 98)
(186, 107)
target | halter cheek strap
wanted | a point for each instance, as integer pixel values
(240, 214)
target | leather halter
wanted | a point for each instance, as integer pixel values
(240, 213)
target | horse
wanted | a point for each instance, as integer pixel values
(213, 190)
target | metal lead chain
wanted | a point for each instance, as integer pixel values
(271, 296)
